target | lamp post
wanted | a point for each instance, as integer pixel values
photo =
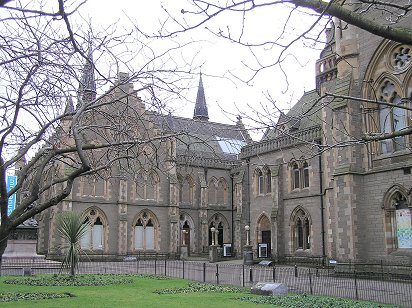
(213, 235)
(247, 249)
(184, 237)
(213, 255)
(247, 229)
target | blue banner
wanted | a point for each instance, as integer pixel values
(11, 183)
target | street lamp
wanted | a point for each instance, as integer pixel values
(247, 229)
(184, 237)
(213, 235)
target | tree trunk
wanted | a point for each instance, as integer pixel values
(3, 246)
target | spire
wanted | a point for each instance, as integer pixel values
(69, 106)
(87, 86)
(201, 112)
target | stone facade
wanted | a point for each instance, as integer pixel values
(311, 187)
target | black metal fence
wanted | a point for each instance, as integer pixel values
(372, 282)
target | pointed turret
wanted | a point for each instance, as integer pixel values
(87, 86)
(201, 112)
(69, 106)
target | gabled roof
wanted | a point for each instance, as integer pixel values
(203, 139)
(304, 114)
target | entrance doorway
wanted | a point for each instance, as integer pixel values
(186, 235)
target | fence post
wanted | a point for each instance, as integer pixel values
(137, 266)
(274, 273)
(217, 273)
(183, 268)
(243, 275)
(165, 267)
(356, 285)
(250, 275)
(204, 272)
(155, 265)
(296, 270)
(310, 282)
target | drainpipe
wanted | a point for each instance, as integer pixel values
(248, 190)
(322, 207)
(233, 206)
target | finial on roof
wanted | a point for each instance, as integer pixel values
(200, 112)
(87, 86)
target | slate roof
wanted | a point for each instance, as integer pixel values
(302, 115)
(203, 139)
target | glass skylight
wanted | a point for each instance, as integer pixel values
(230, 146)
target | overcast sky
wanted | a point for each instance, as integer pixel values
(219, 58)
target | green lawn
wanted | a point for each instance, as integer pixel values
(138, 294)
(141, 293)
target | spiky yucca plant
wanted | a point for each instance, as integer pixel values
(71, 227)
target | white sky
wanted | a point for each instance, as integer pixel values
(218, 57)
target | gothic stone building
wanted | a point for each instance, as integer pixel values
(310, 187)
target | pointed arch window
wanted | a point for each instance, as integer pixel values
(222, 193)
(391, 119)
(263, 181)
(300, 175)
(186, 189)
(295, 176)
(146, 185)
(268, 181)
(398, 222)
(145, 232)
(301, 230)
(93, 239)
(305, 175)
(261, 186)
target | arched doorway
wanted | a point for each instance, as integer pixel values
(186, 236)
(264, 237)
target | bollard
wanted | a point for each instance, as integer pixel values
(217, 273)
(204, 272)
(243, 275)
(296, 271)
(250, 275)
(274, 273)
(310, 282)
(155, 267)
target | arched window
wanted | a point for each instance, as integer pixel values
(398, 220)
(301, 230)
(391, 119)
(221, 226)
(212, 191)
(295, 176)
(260, 183)
(305, 175)
(389, 91)
(146, 185)
(145, 231)
(300, 175)
(268, 181)
(93, 239)
(221, 193)
(186, 190)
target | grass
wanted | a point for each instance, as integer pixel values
(154, 293)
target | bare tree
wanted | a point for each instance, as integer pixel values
(50, 59)
(304, 22)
